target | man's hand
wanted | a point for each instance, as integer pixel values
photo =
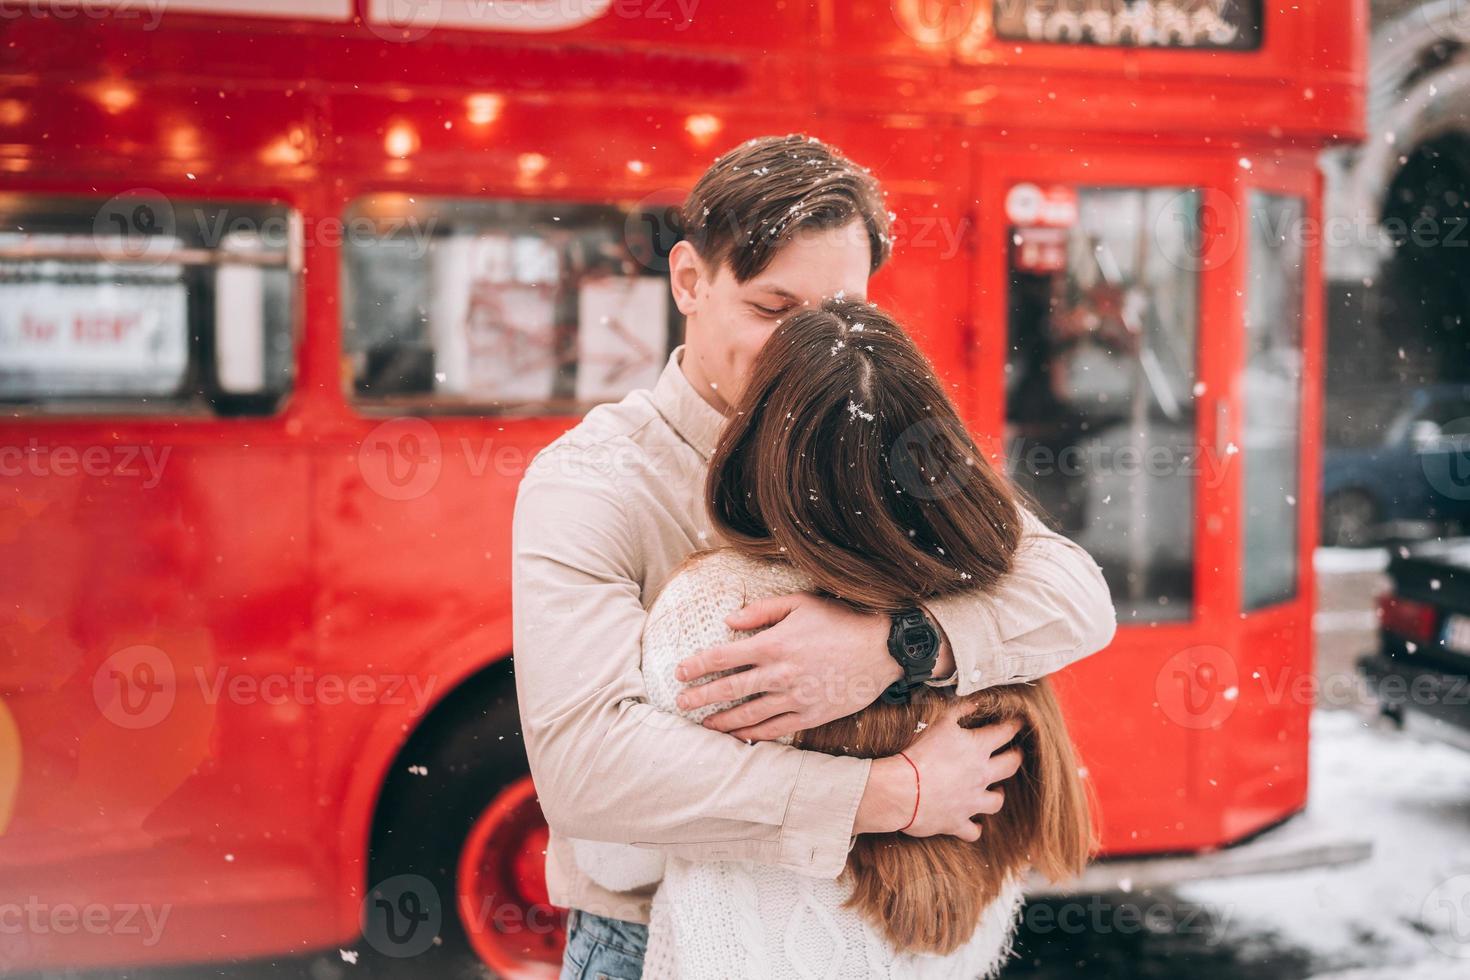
(818, 661)
(958, 769)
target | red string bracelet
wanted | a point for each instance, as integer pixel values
(916, 792)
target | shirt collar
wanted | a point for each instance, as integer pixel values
(696, 420)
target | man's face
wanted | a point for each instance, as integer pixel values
(728, 321)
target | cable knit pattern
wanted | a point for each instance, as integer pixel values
(722, 920)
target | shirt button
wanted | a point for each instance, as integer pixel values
(975, 676)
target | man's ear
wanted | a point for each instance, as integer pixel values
(686, 273)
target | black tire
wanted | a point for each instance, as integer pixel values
(1348, 519)
(469, 750)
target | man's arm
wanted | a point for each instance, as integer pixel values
(610, 767)
(1052, 609)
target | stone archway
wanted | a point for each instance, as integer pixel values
(1398, 208)
(1424, 291)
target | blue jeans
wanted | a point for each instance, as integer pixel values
(599, 948)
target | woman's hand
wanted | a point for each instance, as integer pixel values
(958, 769)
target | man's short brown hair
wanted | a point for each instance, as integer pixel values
(753, 199)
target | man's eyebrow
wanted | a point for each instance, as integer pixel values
(777, 290)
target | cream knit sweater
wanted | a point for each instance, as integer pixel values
(723, 920)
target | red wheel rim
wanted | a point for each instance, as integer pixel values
(501, 888)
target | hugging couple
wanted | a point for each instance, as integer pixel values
(781, 631)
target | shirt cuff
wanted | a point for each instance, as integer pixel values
(974, 639)
(816, 831)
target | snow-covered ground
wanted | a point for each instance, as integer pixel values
(1406, 911)
(1328, 561)
(1404, 914)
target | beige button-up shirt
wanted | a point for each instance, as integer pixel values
(603, 516)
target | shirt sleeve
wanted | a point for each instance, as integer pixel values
(607, 765)
(1052, 609)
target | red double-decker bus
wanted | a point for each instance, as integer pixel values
(291, 293)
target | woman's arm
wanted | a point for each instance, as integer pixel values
(689, 610)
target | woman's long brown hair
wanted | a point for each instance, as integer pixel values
(846, 459)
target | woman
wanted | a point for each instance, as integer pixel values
(846, 471)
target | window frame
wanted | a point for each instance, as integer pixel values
(199, 394)
(1249, 604)
(417, 205)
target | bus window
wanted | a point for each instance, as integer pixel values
(1272, 400)
(526, 307)
(1103, 317)
(145, 304)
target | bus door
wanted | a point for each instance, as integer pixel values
(1276, 355)
(1102, 275)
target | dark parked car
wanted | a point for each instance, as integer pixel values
(1396, 461)
(1423, 662)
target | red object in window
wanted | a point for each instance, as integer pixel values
(1409, 618)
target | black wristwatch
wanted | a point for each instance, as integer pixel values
(914, 643)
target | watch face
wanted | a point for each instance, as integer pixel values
(918, 642)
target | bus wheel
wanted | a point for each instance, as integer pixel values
(501, 887)
(457, 883)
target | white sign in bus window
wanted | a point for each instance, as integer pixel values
(493, 317)
(97, 338)
(240, 338)
(239, 313)
(622, 335)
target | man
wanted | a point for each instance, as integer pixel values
(609, 509)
